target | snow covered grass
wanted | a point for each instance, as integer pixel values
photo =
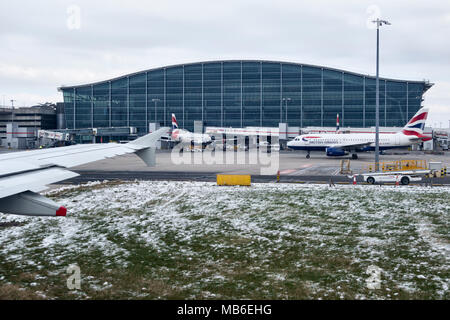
(187, 240)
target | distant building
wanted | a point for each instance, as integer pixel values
(27, 121)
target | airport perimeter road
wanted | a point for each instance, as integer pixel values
(293, 167)
(86, 176)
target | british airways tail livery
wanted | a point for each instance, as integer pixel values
(416, 125)
(174, 122)
(341, 144)
(337, 123)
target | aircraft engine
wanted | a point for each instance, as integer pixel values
(336, 152)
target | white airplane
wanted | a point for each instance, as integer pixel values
(187, 137)
(24, 174)
(341, 144)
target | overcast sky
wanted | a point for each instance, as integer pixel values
(45, 44)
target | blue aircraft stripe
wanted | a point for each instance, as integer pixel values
(419, 125)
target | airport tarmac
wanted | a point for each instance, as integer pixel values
(289, 163)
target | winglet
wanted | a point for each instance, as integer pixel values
(150, 139)
(145, 146)
(148, 155)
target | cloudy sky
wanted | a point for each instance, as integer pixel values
(46, 44)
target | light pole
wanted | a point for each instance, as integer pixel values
(156, 101)
(379, 23)
(286, 101)
(12, 110)
(204, 116)
(165, 113)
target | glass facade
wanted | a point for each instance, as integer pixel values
(241, 93)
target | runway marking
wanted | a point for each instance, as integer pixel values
(308, 168)
(292, 171)
(305, 168)
(287, 171)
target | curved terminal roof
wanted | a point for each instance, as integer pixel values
(427, 84)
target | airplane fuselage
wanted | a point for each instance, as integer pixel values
(187, 137)
(320, 142)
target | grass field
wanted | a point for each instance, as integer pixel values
(186, 240)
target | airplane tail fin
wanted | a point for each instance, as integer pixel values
(175, 130)
(174, 122)
(337, 122)
(416, 125)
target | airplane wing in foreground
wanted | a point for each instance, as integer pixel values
(24, 174)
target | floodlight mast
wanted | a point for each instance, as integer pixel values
(379, 23)
(281, 116)
(12, 110)
(156, 101)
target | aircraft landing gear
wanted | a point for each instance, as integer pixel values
(308, 156)
(354, 156)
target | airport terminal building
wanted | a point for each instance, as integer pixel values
(241, 93)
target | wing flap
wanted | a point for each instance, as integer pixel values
(79, 158)
(35, 181)
(9, 167)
